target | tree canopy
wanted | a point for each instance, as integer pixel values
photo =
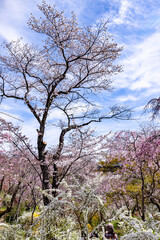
(71, 65)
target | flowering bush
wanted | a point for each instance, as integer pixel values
(133, 228)
(141, 236)
(10, 232)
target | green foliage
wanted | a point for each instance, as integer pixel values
(110, 165)
(96, 220)
(12, 215)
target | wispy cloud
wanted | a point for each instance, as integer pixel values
(70, 6)
(126, 98)
(133, 12)
(136, 26)
(141, 67)
(123, 12)
(13, 18)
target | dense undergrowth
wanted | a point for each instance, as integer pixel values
(75, 212)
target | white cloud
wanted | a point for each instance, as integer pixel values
(126, 98)
(14, 16)
(141, 68)
(52, 136)
(74, 5)
(123, 12)
(11, 15)
(8, 32)
(28, 128)
(56, 114)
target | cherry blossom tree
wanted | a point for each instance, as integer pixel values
(136, 183)
(20, 173)
(73, 64)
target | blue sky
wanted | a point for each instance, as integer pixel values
(135, 24)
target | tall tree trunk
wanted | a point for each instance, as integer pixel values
(44, 167)
(55, 180)
(143, 199)
(45, 182)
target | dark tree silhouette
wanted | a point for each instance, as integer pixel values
(153, 106)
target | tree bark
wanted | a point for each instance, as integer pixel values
(55, 180)
(43, 165)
